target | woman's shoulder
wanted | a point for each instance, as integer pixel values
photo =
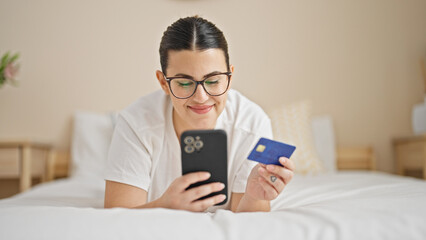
(243, 112)
(147, 111)
(242, 105)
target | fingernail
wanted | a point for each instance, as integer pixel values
(207, 175)
(270, 167)
(283, 159)
(222, 197)
(222, 186)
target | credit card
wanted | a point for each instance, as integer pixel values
(269, 151)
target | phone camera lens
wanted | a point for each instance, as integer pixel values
(189, 149)
(198, 144)
(188, 140)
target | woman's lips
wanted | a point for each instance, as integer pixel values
(201, 109)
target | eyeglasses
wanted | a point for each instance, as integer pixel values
(184, 87)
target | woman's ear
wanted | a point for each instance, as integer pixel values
(162, 81)
(231, 68)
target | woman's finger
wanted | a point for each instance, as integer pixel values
(203, 190)
(202, 205)
(190, 178)
(287, 163)
(275, 181)
(270, 192)
(285, 174)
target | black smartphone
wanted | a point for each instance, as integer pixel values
(206, 150)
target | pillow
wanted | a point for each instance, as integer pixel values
(92, 133)
(292, 124)
(323, 132)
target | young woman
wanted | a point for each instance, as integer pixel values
(144, 165)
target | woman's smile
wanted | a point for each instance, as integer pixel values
(201, 109)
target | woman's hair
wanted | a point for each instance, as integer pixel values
(191, 33)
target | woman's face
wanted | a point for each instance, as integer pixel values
(201, 110)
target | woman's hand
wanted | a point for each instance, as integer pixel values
(266, 182)
(176, 197)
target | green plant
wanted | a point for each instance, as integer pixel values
(8, 69)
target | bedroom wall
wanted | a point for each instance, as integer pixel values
(355, 60)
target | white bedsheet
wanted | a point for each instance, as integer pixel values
(349, 205)
(70, 192)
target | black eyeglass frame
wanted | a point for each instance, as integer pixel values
(169, 79)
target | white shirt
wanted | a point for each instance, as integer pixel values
(145, 150)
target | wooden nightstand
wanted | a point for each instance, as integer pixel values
(21, 158)
(356, 158)
(410, 154)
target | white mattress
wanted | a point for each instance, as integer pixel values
(70, 192)
(349, 205)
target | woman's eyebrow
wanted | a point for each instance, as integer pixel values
(212, 73)
(191, 77)
(183, 75)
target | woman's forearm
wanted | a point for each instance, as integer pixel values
(152, 204)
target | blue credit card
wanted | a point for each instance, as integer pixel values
(269, 151)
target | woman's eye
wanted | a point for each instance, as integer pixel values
(185, 83)
(211, 81)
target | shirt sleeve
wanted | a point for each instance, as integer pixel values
(128, 160)
(264, 130)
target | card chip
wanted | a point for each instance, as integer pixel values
(260, 148)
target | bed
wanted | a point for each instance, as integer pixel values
(352, 204)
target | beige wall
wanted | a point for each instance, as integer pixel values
(356, 60)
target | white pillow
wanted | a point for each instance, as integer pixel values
(92, 133)
(323, 132)
(291, 124)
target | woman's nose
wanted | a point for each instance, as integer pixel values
(200, 94)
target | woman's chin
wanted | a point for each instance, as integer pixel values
(203, 124)
(202, 127)
(203, 121)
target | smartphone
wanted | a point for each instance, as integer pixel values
(206, 150)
